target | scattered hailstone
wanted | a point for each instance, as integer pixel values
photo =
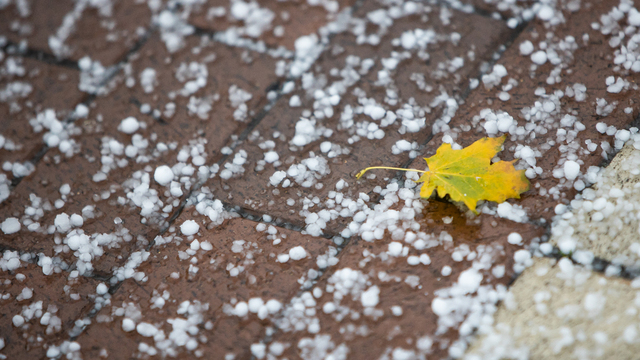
(148, 79)
(539, 57)
(616, 86)
(101, 289)
(295, 101)
(271, 157)
(297, 253)
(514, 239)
(571, 170)
(9, 261)
(10, 225)
(545, 13)
(258, 350)
(305, 132)
(128, 325)
(146, 329)
(81, 111)
(256, 19)
(395, 248)
(526, 48)
(512, 212)
(129, 125)
(306, 173)
(402, 146)
(173, 30)
(163, 175)
(497, 122)
(238, 99)
(59, 132)
(495, 77)
(370, 297)
(376, 112)
(308, 48)
(92, 76)
(189, 227)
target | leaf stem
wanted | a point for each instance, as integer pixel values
(359, 175)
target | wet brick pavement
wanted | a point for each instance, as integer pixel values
(178, 177)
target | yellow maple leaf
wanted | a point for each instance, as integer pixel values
(468, 175)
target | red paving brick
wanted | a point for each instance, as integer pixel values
(520, 10)
(237, 82)
(39, 311)
(75, 29)
(119, 197)
(232, 262)
(93, 183)
(277, 23)
(114, 230)
(28, 88)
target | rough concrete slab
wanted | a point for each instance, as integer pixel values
(603, 220)
(558, 310)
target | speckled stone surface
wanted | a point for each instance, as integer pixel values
(557, 310)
